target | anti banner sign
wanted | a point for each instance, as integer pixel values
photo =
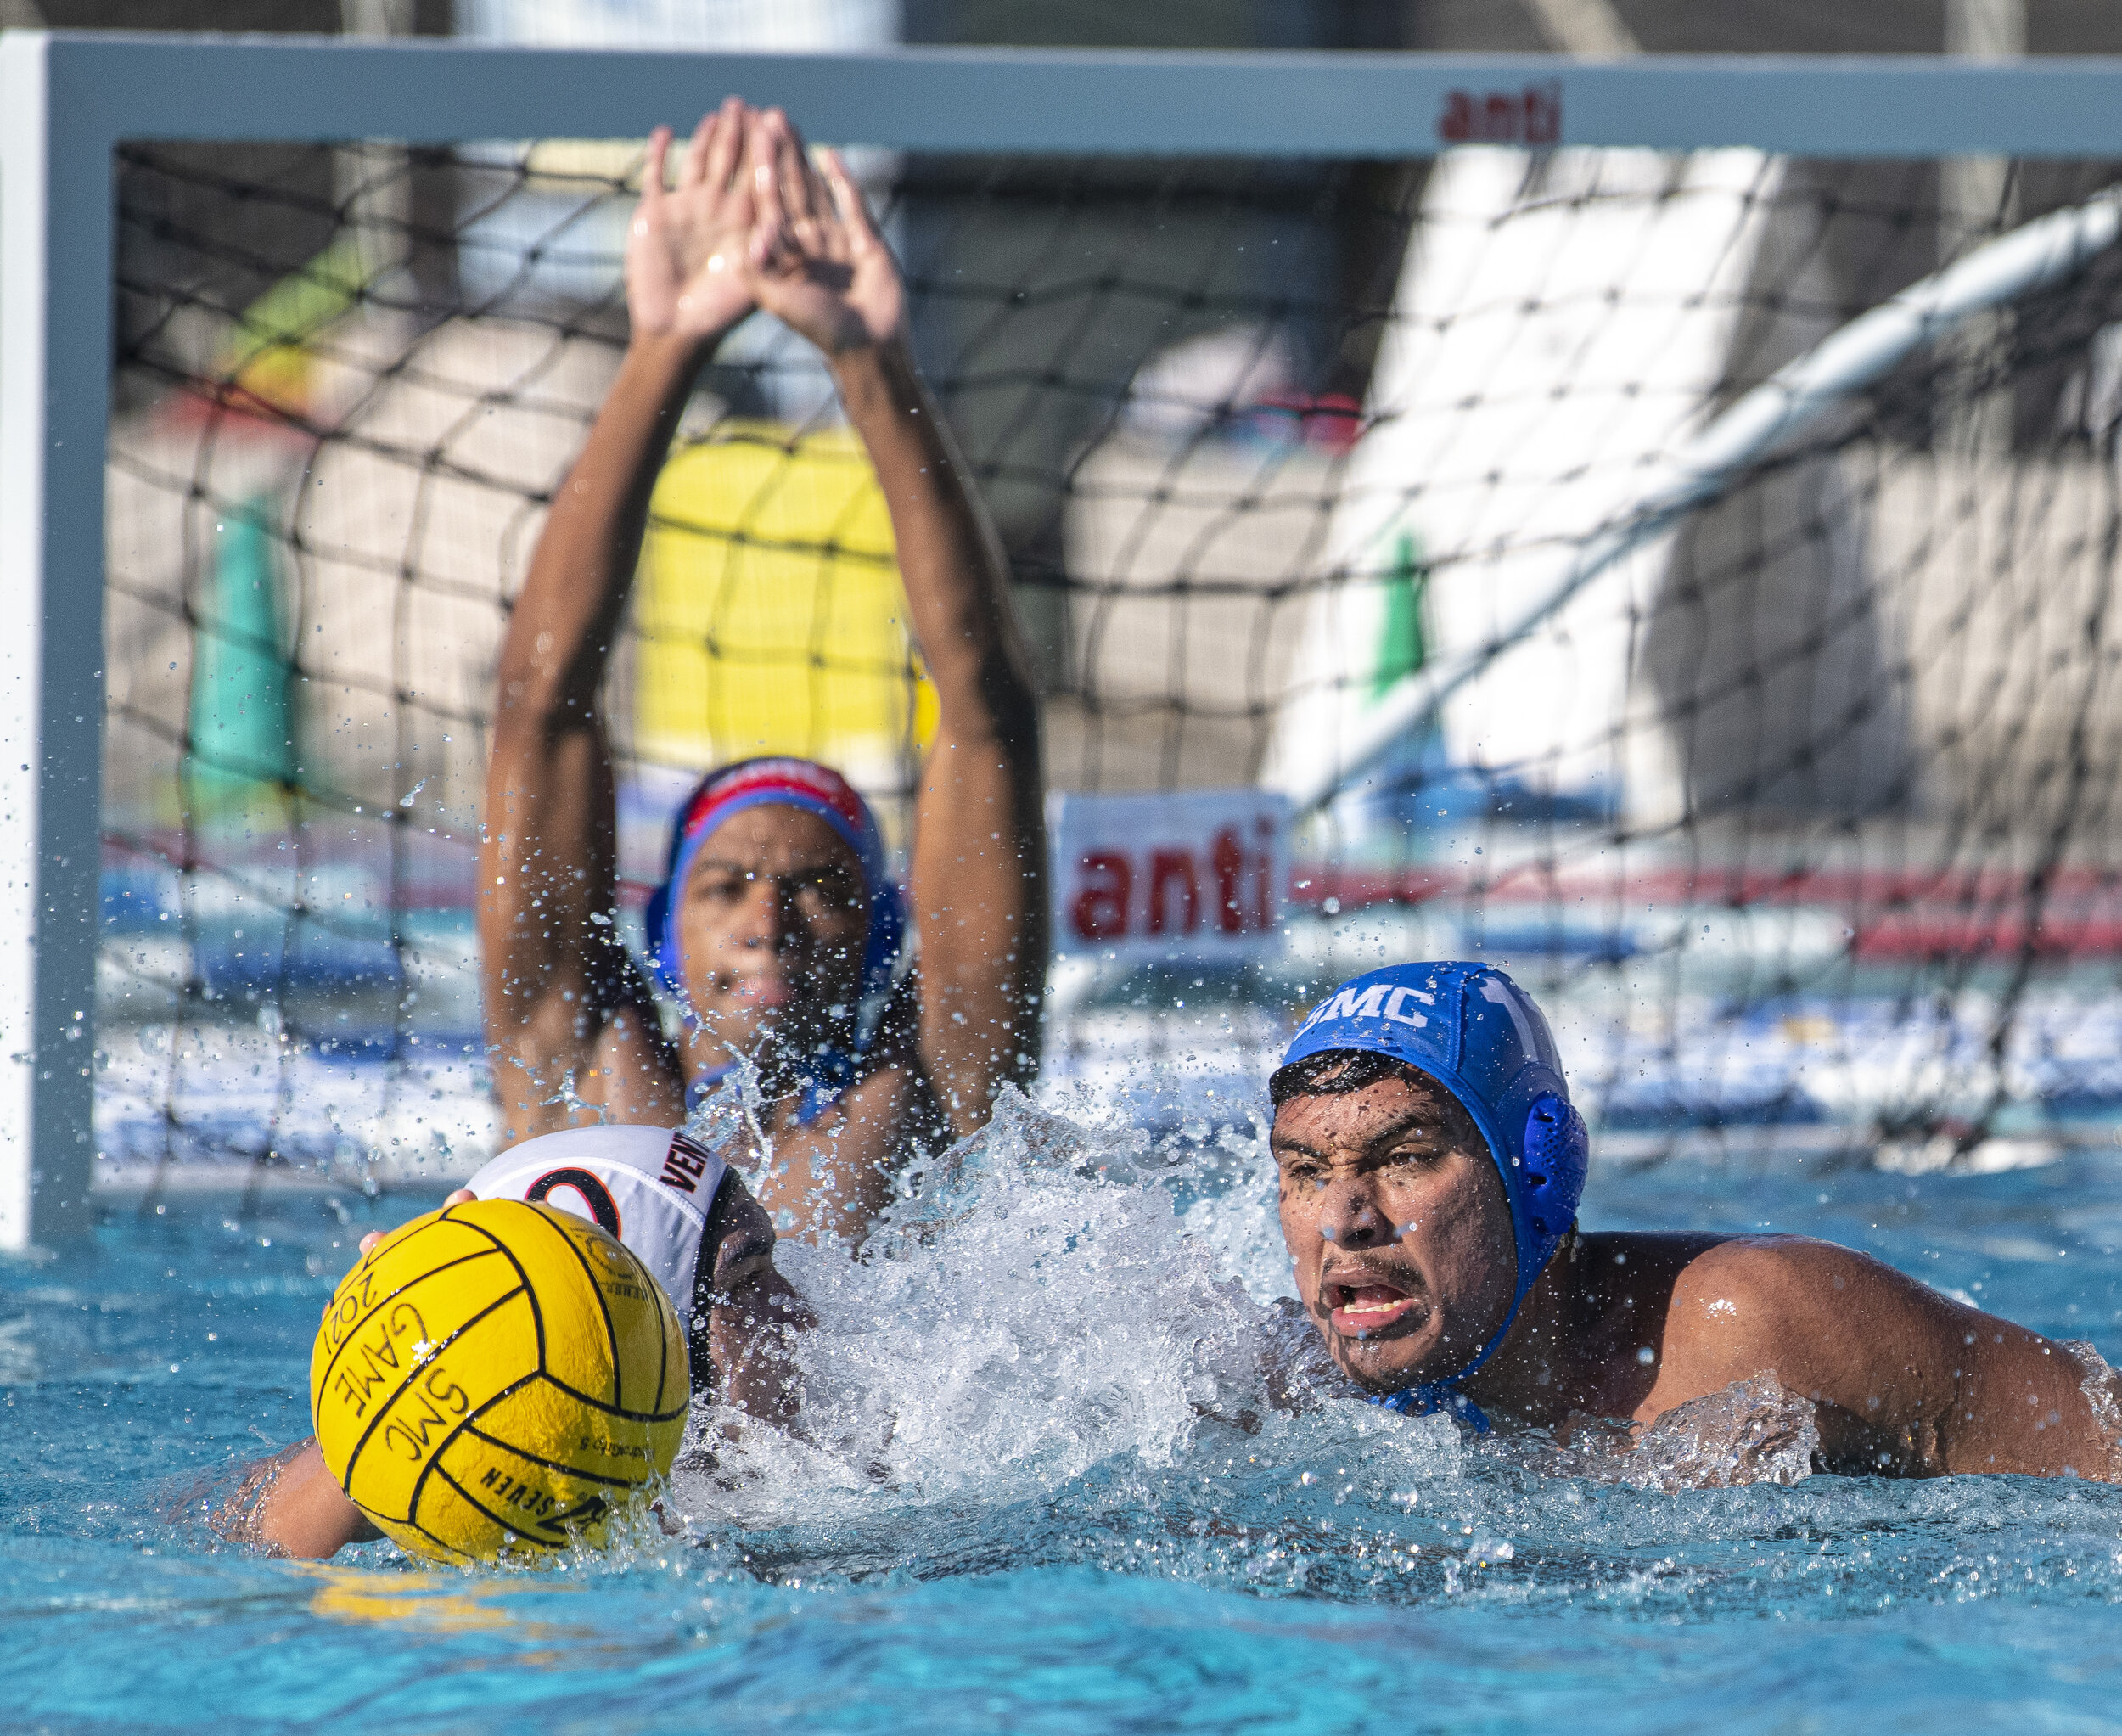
(1195, 873)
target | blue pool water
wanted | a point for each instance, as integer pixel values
(1014, 1516)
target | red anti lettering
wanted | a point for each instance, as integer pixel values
(1531, 116)
(1099, 911)
(1172, 871)
(1228, 860)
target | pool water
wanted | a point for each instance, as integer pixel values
(1041, 1492)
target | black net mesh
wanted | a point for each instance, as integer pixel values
(1798, 819)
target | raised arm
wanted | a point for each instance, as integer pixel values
(563, 1001)
(977, 886)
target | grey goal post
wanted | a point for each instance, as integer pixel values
(67, 99)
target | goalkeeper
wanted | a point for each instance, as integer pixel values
(776, 930)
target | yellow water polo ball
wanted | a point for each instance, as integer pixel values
(497, 1378)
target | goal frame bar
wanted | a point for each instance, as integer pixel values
(68, 99)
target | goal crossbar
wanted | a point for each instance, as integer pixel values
(67, 100)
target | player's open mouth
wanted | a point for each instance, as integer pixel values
(1367, 1304)
(763, 992)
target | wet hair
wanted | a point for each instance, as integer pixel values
(1337, 1072)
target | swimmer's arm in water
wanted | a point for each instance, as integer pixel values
(288, 1504)
(1903, 1379)
(562, 997)
(977, 882)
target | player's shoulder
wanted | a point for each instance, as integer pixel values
(1711, 1309)
(632, 1152)
(1772, 1275)
(890, 1112)
(1805, 1307)
(655, 1187)
(1740, 1288)
(1776, 1258)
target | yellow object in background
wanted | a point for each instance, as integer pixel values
(770, 612)
(499, 1376)
(269, 358)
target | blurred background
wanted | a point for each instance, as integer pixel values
(1799, 816)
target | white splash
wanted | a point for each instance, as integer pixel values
(1753, 1431)
(2102, 1388)
(1035, 1305)
(1041, 1314)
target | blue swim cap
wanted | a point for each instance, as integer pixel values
(1479, 1036)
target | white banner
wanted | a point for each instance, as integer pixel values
(1182, 875)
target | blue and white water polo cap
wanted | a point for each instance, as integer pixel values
(1479, 1036)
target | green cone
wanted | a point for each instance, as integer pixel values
(1403, 648)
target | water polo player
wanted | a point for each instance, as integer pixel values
(1430, 1167)
(691, 1223)
(777, 931)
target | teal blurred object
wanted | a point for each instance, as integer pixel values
(242, 725)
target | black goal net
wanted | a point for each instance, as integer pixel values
(1798, 814)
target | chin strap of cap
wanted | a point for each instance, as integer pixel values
(1434, 1396)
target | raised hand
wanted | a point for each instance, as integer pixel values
(817, 263)
(686, 247)
(368, 1241)
(461, 1196)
